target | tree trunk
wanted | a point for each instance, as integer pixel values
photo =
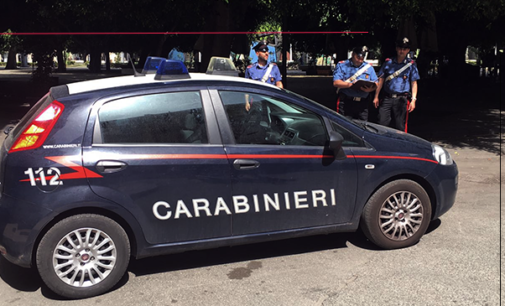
(284, 71)
(95, 61)
(11, 58)
(62, 64)
(107, 61)
(428, 43)
(285, 47)
(161, 42)
(456, 61)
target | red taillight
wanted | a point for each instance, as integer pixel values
(38, 130)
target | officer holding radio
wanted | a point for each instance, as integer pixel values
(398, 77)
(353, 98)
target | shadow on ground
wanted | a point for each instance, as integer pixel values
(250, 252)
(28, 280)
(462, 113)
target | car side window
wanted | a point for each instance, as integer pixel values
(260, 119)
(350, 140)
(156, 118)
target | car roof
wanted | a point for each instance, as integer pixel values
(92, 85)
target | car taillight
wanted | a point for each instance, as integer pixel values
(38, 130)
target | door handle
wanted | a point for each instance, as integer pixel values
(245, 164)
(110, 166)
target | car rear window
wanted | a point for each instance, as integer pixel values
(157, 118)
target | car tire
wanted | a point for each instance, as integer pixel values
(83, 255)
(397, 215)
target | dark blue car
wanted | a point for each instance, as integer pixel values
(99, 171)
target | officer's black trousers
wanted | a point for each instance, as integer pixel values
(353, 109)
(393, 108)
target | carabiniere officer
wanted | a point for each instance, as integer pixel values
(398, 78)
(353, 102)
(262, 70)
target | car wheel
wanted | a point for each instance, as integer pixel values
(83, 256)
(397, 215)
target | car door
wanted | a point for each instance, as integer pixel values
(160, 156)
(283, 176)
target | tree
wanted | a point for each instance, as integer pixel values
(12, 44)
(435, 26)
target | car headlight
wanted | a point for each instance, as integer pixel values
(441, 155)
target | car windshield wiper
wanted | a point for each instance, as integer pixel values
(365, 125)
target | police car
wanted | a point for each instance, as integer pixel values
(101, 171)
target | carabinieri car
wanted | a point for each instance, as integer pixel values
(102, 170)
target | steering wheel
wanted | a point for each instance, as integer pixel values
(312, 138)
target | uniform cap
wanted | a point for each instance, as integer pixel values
(261, 46)
(403, 43)
(360, 51)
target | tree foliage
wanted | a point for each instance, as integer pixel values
(436, 26)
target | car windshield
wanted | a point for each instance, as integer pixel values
(329, 109)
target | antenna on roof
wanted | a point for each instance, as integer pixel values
(133, 66)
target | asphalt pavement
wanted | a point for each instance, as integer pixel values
(458, 262)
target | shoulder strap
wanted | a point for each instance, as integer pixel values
(394, 75)
(267, 73)
(358, 73)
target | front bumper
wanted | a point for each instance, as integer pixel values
(445, 183)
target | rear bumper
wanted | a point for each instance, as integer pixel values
(18, 229)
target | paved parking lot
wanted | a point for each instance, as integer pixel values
(456, 263)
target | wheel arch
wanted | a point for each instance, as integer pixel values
(416, 178)
(134, 237)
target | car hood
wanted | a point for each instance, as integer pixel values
(381, 137)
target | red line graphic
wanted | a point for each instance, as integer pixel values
(216, 156)
(396, 157)
(80, 171)
(180, 33)
(255, 156)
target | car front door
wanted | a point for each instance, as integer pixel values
(160, 156)
(283, 176)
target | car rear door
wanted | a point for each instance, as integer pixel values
(283, 176)
(160, 156)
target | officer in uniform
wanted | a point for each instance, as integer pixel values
(262, 71)
(353, 102)
(398, 78)
(258, 71)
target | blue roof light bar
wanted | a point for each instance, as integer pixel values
(170, 70)
(152, 64)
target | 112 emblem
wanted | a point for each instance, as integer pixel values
(52, 174)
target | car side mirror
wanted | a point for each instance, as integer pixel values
(335, 145)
